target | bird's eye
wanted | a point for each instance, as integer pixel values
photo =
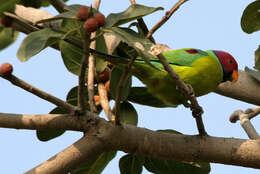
(230, 61)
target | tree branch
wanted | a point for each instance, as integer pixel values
(245, 89)
(165, 18)
(120, 86)
(46, 96)
(142, 141)
(58, 5)
(83, 150)
(245, 122)
(83, 67)
(104, 101)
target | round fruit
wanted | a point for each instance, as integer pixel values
(6, 69)
(6, 21)
(107, 86)
(101, 19)
(91, 25)
(83, 13)
(104, 76)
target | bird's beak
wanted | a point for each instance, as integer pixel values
(234, 76)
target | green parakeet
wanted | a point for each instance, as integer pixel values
(203, 70)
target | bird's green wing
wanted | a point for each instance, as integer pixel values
(181, 57)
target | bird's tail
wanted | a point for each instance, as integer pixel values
(116, 60)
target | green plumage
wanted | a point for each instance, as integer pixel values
(200, 69)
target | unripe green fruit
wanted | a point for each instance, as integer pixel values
(6, 69)
(91, 25)
(100, 18)
(83, 13)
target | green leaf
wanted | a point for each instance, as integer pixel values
(46, 135)
(31, 3)
(128, 113)
(7, 5)
(46, 3)
(114, 81)
(96, 165)
(250, 21)
(7, 37)
(137, 41)
(72, 96)
(257, 60)
(71, 56)
(131, 164)
(100, 46)
(131, 13)
(140, 95)
(37, 41)
(161, 166)
(253, 73)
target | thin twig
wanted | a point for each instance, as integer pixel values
(165, 18)
(188, 93)
(58, 5)
(142, 24)
(82, 75)
(244, 117)
(120, 86)
(104, 101)
(91, 68)
(24, 85)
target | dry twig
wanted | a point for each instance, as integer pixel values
(46, 96)
(244, 117)
(165, 18)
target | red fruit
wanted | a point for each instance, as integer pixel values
(97, 99)
(6, 69)
(83, 13)
(104, 76)
(91, 25)
(101, 19)
(6, 21)
(107, 86)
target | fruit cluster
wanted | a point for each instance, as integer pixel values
(92, 22)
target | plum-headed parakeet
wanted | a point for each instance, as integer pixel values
(203, 70)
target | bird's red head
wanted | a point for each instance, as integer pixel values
(229, 65)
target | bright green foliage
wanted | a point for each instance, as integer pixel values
(133, 12)
(7, 5)
(128, 114)
(7, 37)
(114, 81)
(250, 21)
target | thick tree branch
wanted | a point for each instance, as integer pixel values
(83, 150)
(142, 141)
(46, 96)
(245, 89)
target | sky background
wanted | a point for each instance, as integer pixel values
(211, 24)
